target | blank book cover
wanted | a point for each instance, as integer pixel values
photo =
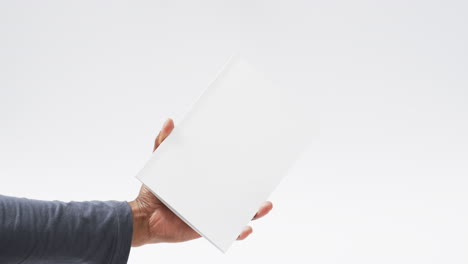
(228, 153)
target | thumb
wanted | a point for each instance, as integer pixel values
(165, 131)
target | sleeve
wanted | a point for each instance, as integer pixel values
(33, 231)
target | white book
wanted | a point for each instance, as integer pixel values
(226, 156)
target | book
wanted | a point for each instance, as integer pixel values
(228, 153)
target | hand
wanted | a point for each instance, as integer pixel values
(153, 222)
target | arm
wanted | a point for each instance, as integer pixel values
(33, 231)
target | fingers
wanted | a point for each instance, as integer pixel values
(245, 233)
(265, 208)
(165, 131)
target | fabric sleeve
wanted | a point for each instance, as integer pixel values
(33, 231)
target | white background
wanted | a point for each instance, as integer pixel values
(86, 85)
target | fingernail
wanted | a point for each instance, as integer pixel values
(166, 122)
(268, 204)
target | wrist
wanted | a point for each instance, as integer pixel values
(140, 225)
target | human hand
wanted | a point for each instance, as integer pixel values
(153, 222)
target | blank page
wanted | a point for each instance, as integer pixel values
(228, 153)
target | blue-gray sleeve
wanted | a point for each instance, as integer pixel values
(33, 231)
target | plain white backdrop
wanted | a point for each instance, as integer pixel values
(86, 85)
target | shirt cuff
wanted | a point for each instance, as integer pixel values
(124, 232)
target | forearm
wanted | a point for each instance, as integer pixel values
(34, 231)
